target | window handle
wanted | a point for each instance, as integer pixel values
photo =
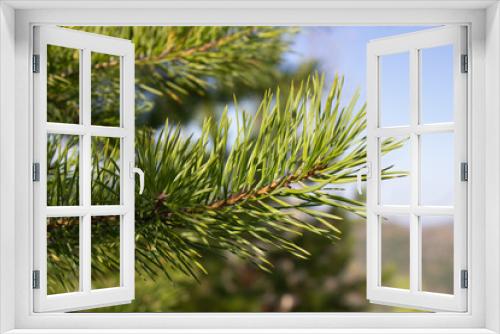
(135, 170)
(362, 171)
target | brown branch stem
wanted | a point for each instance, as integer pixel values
(249, 195)
(266, 190)
(218, 204)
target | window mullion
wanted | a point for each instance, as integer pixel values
(85, 242)
(415, 262)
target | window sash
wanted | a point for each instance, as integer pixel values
(414, 297)
(86, 297)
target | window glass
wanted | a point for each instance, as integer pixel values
(63, 253)
(105, 187)
(105, 252)
(395, 251)
(63, 83)
(63, 159)
(436, 169)
(394, 171)
(437, 253)
(394, 90)
(105, 87)
(436, 84)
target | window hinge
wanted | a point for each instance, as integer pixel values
(36, 279)
(36, 172)
(464, 171)
(464, 279)
(465, 64)
(36, 63)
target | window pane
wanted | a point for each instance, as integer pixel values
(63, 84)
(437, 254)
(105, 171)
(436, 84)
(105, 88)
(63, 169)
(105, 252)
(437, 172)
(395, 242)
(394, 89)
(394, 171)
(63, 253)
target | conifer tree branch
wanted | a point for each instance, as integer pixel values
(182, 61)
(278, 177)
(168, 56)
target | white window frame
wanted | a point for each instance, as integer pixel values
(16, 20)
(85, 43)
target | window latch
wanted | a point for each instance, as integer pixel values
(135, 170)
(362, 171)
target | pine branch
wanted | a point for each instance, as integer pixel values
(246, 200)
(279, 178)
(251, 195)
(183, 61)
(168, 56)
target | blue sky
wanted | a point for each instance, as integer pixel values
(343, 50)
